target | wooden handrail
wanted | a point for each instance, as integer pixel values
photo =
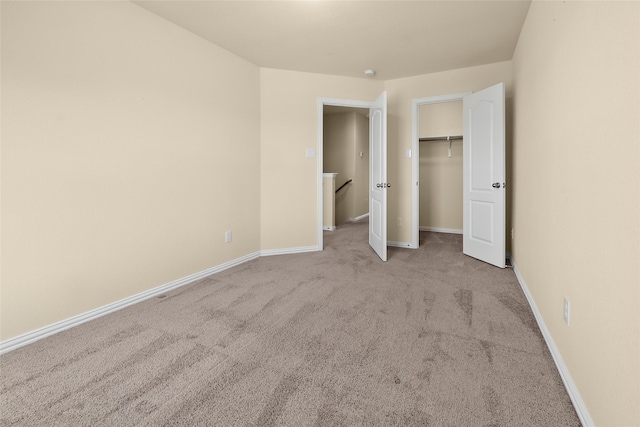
(343, 185)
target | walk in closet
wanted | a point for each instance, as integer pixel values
(440, 150)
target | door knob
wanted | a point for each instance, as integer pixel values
(496, 185)
(378, 185)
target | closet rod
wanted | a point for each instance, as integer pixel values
(440, 138)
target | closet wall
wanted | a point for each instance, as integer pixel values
(346, 152)
(441, 175)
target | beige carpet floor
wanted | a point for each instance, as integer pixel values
(334, 338)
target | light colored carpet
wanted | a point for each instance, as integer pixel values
(334, 338)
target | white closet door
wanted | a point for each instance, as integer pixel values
(484, 175)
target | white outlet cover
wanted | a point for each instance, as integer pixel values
(311, 152)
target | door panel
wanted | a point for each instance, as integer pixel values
(378, 176)
(482, 221)
(484, 176)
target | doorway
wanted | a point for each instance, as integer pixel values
(376, 184)
(346, 157)
(417, 133)
(441, 159)
(484, 177)
(329, 103)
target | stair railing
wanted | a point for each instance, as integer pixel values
(343, 185)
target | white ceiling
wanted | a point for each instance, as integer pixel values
(395, 38)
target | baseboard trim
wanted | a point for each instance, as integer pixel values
(38, 334)
(441, 230)
(358, 218)
(289, 251)
(572, 390)
(329, 228)
(398, 244)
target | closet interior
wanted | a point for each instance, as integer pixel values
(440, 151)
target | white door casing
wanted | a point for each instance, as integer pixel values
(378, 176)
(484, 175)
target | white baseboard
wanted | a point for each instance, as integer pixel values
(329, 228)
(30, 337)
(358, 218)
(289, 251)
(441, 230)
(572, 390)
(38, 334)
(398, 244)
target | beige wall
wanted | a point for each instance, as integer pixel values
(400, 94)
(289, 207)
(289, 121)
(361, 181)
(346, 152)
(128, 147)
(576, 180)
(339, 157)
(328, 201)
(440, 175)
(441, 119)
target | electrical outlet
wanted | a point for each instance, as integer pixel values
(227, 236)
(512, 234)
(399, 222)
(567, 311)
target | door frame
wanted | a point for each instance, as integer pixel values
(336, 102)
(415, 164)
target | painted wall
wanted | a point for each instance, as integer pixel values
(400, 94)
(441, 175)
(346, 152)
(577, 185)
(289, 104)
(361, 181)
(128, 147)
(339, 157)
(328, 201)
(289, 207)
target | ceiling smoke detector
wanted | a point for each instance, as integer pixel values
(369, 73)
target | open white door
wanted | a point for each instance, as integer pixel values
(378, 176)
(484, 176)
